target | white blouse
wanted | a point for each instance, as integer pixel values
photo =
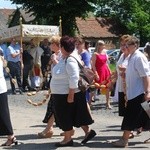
(65, 75)
(122, 61)
(138, 67)
(3, 86)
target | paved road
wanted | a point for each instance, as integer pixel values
(27, 122)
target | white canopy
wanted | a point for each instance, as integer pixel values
(28, 32)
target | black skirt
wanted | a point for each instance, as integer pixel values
(49, 111)
(121, 103)
(71, 114)
(135, 116)
(5, 122)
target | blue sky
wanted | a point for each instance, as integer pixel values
(7, 4)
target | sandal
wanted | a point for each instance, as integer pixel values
(63, 133)
(49, 134)
(108, 106)
(139, 131)
(147, 141)
(10, 142)
(131, 136)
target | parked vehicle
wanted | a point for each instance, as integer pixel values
(113, 55)
(91, 50)
(141, 49)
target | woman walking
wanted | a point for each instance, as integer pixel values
(137, 91)
(5, 122)
(69, 102)
(100, 67)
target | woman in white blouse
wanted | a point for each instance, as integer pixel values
(137, 91)
(5, 122)
(69, 102)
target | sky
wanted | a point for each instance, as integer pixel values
(7, 4)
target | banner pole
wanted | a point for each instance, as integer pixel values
(60, 26)
(21, 46)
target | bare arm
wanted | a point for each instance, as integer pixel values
(93, 62)
(147, 87)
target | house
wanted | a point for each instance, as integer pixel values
(4, 17)
(91, 29)
(94, 29)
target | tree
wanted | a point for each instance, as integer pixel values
(134, 14)
(51, 10)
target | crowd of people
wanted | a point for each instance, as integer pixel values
(69, 107)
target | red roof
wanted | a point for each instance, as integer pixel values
(4, 17)
(96, 28)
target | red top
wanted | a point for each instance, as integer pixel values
(102, 67)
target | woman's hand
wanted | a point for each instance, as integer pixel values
(97, 77)
(70, 98)
(147, 96)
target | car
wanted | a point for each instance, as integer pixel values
(141, 49)
(91, 50)
(113, 54)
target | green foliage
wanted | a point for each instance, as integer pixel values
(134, 14)
(51, 10)
(112, 67)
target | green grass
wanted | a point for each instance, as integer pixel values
(112, 67)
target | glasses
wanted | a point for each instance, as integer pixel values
(126, 45)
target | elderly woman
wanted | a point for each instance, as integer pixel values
(5, 122)
(69, 102)
(137, 91)
(49, 116)
(147, 53)
(121, 67)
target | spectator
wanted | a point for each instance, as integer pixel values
(28, 65)
(14, 64)
(45, 58)
(35, 51)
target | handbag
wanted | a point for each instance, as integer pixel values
(146, 107)
(87, 77)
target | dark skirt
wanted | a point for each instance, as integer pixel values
(71, 114)
(49, 111)
(135, 116)
(5, 122)
(121, 103)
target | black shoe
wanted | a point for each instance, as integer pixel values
(31, 89)
(21, 90)
(14, 92)
(70, 143)
(91, 134)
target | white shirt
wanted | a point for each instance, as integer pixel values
(57, 57)
(3, 86)
(65, 75)
(137, 68)
(36, 53)
(122, 61)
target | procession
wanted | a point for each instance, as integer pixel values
(55, 92)
(34, 78)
